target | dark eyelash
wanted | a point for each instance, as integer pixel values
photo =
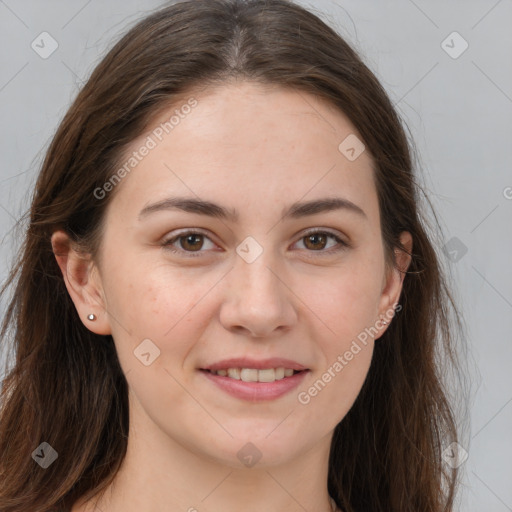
(342, 244)
(168, 243)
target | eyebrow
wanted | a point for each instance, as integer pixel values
(295, 211)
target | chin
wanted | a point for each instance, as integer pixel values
(250, 448)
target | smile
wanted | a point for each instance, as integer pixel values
(254, 385)
(255, 375)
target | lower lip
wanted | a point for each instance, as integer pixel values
(256, 391)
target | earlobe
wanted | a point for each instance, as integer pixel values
(82, 282)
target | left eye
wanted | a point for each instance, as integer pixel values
(193, 242)
(317, 240)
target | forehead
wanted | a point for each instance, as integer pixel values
(248, 144)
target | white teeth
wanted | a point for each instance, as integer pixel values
(249, 375)
(267, 375)
(234, 373)
(254, 375)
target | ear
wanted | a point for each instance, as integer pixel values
(83, 282)
(394, 280)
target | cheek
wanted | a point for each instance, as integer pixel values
(162, 304)
(151, 293)
(347, 308)
(346, 299)
(334, 390)
(353, 306)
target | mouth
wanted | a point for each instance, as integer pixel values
(254, 374)
(253, 380)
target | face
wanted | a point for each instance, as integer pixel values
(259, 281)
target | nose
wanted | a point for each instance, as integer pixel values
(258, 301)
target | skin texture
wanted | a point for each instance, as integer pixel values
(256, 149)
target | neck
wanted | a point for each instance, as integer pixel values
(160, 473)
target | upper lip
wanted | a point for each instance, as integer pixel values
(261, 364)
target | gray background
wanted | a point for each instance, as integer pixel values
(459, 113)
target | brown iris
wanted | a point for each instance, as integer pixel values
(314, 237)
(193, 242)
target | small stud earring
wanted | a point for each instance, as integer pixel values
(384, 322)
(91, 317)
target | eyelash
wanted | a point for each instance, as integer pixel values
(193, 254)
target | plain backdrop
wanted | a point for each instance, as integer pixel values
(454, 92)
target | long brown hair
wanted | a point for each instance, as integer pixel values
(66, 386)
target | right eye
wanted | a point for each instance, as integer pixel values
(190, 242)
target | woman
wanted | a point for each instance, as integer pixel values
(227, 297)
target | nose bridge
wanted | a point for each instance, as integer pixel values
(255, 275)
(258, 300)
